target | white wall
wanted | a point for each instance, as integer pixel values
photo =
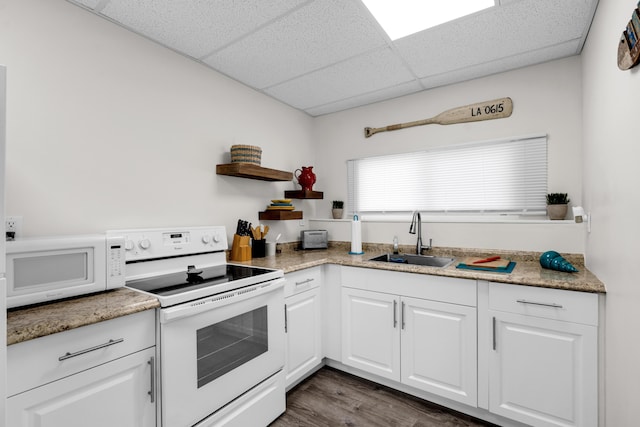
(107, 129)
(611, 177)
(547, 98)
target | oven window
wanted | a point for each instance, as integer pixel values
(224, 346)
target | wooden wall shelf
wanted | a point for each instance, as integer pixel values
(279, 215)
(248, 170)
(303, 194)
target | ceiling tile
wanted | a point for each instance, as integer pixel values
(196, 27)
(364, 99)
(323, 56)
(319, 34)
(501, 65)
(527, 25)
(88, 3)
(366, 73)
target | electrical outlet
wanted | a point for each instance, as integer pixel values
(13, 224)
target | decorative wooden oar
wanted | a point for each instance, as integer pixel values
(488, 110)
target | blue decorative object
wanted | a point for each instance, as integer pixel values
(554, 261)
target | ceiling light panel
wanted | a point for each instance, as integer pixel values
(318, 35)
(196, 27)
(400, 18)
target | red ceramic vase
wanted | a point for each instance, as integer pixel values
(306, 178)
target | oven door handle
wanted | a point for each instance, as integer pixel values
(208, 303)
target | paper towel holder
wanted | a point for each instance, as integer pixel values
(356, 236)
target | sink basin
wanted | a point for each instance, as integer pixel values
(428, 260)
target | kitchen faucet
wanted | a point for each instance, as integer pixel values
(416, 225)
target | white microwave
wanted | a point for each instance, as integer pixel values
(51, 268)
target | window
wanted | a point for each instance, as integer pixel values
(502, 176)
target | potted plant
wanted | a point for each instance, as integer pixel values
(337, 209)
(557, 205)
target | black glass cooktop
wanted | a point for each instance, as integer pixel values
(194, 278)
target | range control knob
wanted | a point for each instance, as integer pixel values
(216, 238)
(206, 239)
(144, 244)
(128, 245)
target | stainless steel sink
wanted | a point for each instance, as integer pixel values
(428, 260)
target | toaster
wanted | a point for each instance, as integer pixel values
(314, 239)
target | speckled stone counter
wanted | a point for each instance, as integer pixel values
(24, 324)
(527, 271)
(37, 321)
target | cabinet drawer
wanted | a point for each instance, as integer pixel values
(436, 288)
(557, 304)
(302, 280)
(36, 362)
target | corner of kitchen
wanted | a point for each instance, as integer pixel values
(209, 207)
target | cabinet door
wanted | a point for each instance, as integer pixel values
(543, 372)
(112, 394)
(304, 334)
(371, 335)
(439, 348)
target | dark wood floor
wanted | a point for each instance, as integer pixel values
(334, 398)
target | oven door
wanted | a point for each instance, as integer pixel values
(217, 348)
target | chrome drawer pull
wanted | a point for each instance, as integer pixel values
(69, 355)
(304, 282)
(544, 304)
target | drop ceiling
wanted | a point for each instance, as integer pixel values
(323, 56)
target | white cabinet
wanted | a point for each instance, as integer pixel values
(543, 355)
(100, 375)
(303, 324)
(370, 335)
(439, 348)
(424, 337)
(113, 394)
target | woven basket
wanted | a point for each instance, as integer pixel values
(246, 154)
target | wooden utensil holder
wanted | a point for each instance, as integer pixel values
(241, 248)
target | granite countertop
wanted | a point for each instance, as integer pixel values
(36, 321)
(527, 271)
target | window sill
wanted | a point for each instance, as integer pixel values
(440, 219)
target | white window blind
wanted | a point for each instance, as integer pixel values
(492, 176)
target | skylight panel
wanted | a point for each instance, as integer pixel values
(400, 18)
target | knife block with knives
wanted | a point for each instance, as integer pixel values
(241, 248)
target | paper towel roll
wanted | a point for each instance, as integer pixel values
(356, 236)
